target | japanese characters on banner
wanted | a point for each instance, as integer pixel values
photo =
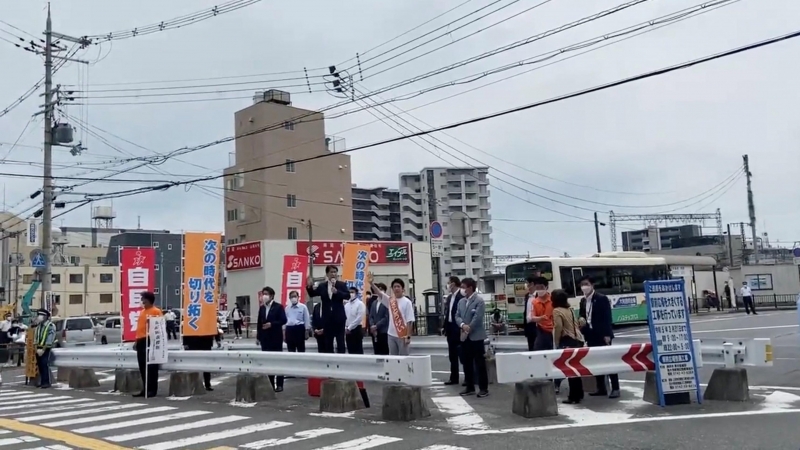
(295, 268)
(136, 275)
(671, 337)
(201, 283)
(355, 266)
(157, 344)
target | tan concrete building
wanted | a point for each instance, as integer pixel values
(78, 290)
(277, 203)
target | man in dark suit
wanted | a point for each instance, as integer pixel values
(317, 327)
(271, 319)
(596, 326)
(333, 294)
(451, 329)
(378, 321)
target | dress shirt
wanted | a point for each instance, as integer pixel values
(354, 310)
(745, 291)
(297, 315)
(589, 309)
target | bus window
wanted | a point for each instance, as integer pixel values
(519, 273)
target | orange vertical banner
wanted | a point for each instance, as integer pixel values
(355, 266)
(201, 283)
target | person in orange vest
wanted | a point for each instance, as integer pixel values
(149, 372)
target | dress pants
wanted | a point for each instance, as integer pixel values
(276, 382)
(43, 364)
(150, 381)
(453, 349)
(597, 341)
(202, 343)
(355, 341)
(473, 358)
(380, 344)
(296, 338)
(331, 334)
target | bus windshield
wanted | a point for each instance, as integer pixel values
(519, 273)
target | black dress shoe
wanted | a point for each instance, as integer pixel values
(279, 389)
(152, 394)
(598, 394)
(467, 392)
(571, 402)
(209, 388)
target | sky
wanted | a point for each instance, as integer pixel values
(672, 143)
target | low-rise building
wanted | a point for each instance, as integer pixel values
(77, 290)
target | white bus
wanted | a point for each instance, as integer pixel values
(619, 275)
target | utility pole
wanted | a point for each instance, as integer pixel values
(310, 251)
(730, 247)
(597, 232)
(744, 241)
(16, 271)
(751, 208)
(47, 186)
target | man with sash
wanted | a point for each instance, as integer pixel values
(401, 315)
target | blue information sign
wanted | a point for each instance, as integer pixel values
(671, 337)
(436, 230)
(37, 260)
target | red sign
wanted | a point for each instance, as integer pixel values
(638, 357)
(295, 269)
(136, 275)
(569, 363)
(381, 252)
(243, 256)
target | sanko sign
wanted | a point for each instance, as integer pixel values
(243, 256)
(381, 252)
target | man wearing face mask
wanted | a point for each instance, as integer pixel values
(271, 319)
(298, 324)
(45, 337)
(354, 330)
(541, 313)
(451, 329)
(333, 294)
(596, 326)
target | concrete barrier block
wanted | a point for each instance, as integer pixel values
(62, 374)
(651, 392)
(253, 388)
(81, 378)
(186, 384)
(728, 385)
(491, 370)
(128, 381)
(404, 403)
(339, 396)
(535, 398)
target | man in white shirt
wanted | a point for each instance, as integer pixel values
(237, 316)
(169, 317)
(354, 311)
(747, 299)
(298, 324)
(401, 316)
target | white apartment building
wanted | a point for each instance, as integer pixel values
(434, 194)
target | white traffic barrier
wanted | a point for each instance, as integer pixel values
(409, 370)
(738, 352)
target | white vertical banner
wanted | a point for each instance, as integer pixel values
(33, 233)
(157, 342)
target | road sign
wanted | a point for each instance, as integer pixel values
(671, 337)
(437, 243)
(37, 259)
(33, 234)
(796, 254)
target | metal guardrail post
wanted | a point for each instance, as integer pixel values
(729, 358)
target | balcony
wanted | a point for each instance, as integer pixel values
(380, 212)
(382, 223)
(381, 234)
(379, 200)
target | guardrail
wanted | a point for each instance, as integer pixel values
(737, 352)
(409, 370)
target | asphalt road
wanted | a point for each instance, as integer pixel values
(95, 418)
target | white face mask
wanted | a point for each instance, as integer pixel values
(541, 293)
(586, 290)
(463, 291)
(267, 299)
(293, 300)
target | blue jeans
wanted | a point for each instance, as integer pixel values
(43, 364)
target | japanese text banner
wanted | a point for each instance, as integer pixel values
(355, 266)
(295, 268)
(200, 283)
(136, 275)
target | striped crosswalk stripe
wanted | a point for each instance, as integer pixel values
(175, 428)
(362, 443)
(17, 440)
(119, 415)
(210, 437)
(297, 437)
(78, 403)
(81, 412)
(137, 422)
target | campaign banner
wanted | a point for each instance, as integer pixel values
(355, 266)
(157, 342)
(332, 252)
(136, 275)
(201, 283)
(295, 269)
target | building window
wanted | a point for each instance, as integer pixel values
(27, 279)
(232, 215)
(74, 260)
(291, 201)
(290, 166)
(102, 260)
(292, 233)
(75, 299)
(242, 238)
(288, 125)
(55, 278)
(155, 290)
(106, 277)
(75, 278)
(106, 298)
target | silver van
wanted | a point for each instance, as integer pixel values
(74, 331)
(111, 331)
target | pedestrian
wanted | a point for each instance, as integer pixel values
(237, 316)
(727, 292)
(271, 319)
(401, 316)
(528, 325)
(354, 330)
(451, 329)
(5, 325)
(596, 326)
(332, 293)
(747, 299)
(45, 335)
(541, 313)
(498, 323)
(566, 334)
(298, 324)
(378, 321)
(169, 317)
(318, 327)
(470, 319)
(148, 372)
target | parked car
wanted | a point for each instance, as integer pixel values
(111, 333)
(74, 331)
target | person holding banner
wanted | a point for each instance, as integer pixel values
(401, 315)
(333, 293)
(149, 372)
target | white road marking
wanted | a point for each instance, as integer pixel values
(461, 416)
(297, 437)
(82, 412)
(219, 435)
(143, 421)
(119, 415)
(82, 403)
(17, 440)
(50, 447)
(5, 431)
(174, 428)
(22, 404)
(443, 447)
(18, 407)
(362, 443)
(21, 395)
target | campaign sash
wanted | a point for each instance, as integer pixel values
(397, 318)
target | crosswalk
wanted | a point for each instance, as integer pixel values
(161, 427)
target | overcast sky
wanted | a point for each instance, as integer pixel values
(671, 140)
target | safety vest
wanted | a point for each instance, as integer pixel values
(41, 334)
